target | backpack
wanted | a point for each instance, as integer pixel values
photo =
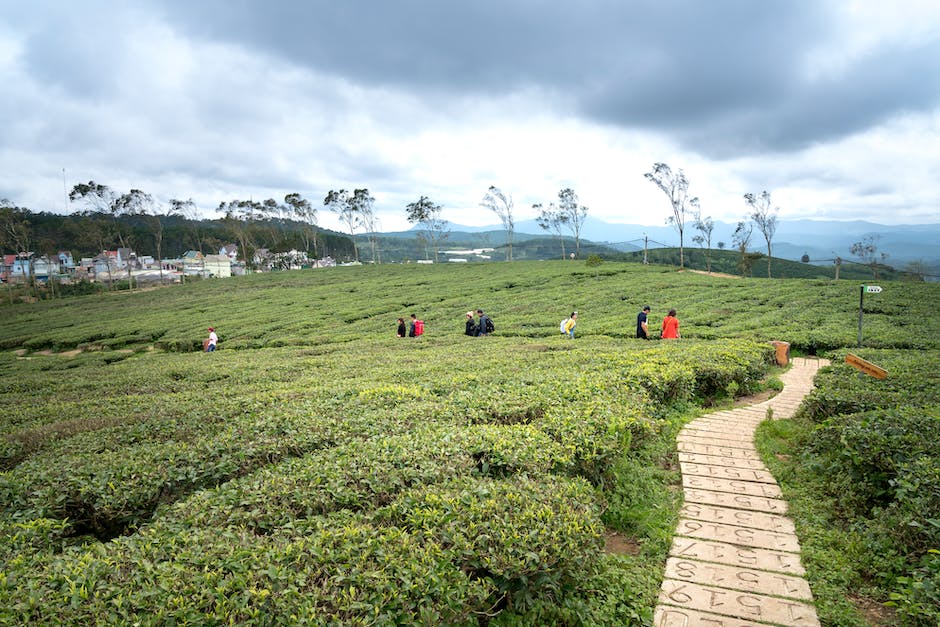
(561, 327)
(490, 327)
(419, 327)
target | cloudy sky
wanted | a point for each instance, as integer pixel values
(832, 105)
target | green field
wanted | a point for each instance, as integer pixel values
(318, 469)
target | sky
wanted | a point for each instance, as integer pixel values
(831, 105)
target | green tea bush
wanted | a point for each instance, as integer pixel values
(529, 539)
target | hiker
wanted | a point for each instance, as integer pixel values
(415, 327)
(671, 326)
(567, 327)
(642, 328)
(471, 326)
(402, 331)
(484, 324)
(212, 341)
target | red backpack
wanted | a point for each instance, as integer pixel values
(419, 327)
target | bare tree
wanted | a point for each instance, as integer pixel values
(676, 187)
(15, 233)
(370, 222)
(764, 217)
(341, 204)
(704, 226)
(742, 239)
(428, 214)
(501, 204)
(575, 214)
(867, 251)
(552, 219)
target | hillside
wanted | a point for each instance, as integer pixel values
(318, 469)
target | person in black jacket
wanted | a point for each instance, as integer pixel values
(484, 324)
(471, 328)
(401, 327)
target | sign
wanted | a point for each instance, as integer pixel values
(873, 289)
(866, 366)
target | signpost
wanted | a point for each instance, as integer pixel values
(866, 366)
(871, 289)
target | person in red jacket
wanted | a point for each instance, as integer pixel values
(671, 326)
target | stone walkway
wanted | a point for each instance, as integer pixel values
(735, 558)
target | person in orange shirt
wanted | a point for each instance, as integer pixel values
(671, 326)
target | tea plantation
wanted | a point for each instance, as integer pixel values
(317, 469)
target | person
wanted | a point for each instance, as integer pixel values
(570, 324)
(671, 326)
(642, 328)
(401, 327)
(483, 323)
(471, 326)
(212, 341)
(411, 326)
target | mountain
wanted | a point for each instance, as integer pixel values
(820, 239)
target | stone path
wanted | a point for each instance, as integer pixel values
(735, 558)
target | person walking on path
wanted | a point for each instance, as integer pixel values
(570, 324)
(402, 331)
(212, 341)
(471, 326)
(642, 328)
(671, 326)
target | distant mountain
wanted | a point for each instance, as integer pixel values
(820, 239)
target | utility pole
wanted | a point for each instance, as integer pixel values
(646, 245)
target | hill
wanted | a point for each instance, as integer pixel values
(318, 469)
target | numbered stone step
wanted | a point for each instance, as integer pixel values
(718, 450)
(716, 460)
(736, 578)
(726, 472)
(743, 605)
(744, 518)
(749, 488)
(743, 536)
(667, 616)
(717, 441)
(739, 501)
(737, 556)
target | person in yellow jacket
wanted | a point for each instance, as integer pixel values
(570, 324)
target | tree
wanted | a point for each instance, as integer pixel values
(16, 234)
(341, 204)
(242, 218)
(501, 204)
(188, 211)
(138, 203)
(574, 213)
(428, 214)
(552, 219)
(676, 187)
(303, 210)
(764, 217)
(867, 251)
(363, 203)
(742, 239)
(103, 199)
(704, 226)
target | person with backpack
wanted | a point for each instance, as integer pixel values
(416, 327)
(485, 325)
(568, 325)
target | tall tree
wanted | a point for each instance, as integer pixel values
(364, 204)
(501, 204)
(188, 211)
(103, 199)
(143, 205)
(676, 187)
(867, 251)
(552, 219)
(704, 226)
(341, 204)
(428, 214)
(742, 239)
(16, 235)
(575, 215)
(242, 218)
(764, 217)
(303, 210)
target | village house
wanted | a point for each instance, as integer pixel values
(219, 266)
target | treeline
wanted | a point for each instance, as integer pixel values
(87, 233)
